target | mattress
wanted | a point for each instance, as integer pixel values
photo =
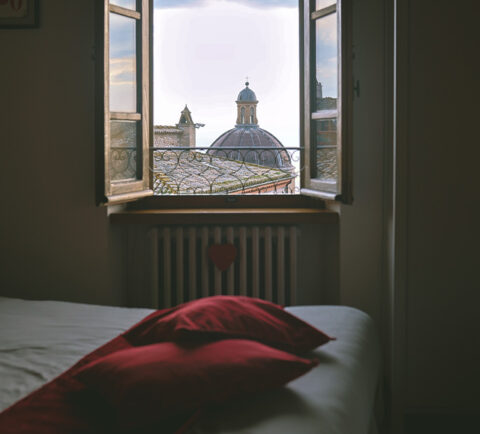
(41, 339)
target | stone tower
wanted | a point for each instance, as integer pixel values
(186, 124)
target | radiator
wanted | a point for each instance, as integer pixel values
(265, 265)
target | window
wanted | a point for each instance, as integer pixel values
(327, 104)
(126, 100)
(131, 150)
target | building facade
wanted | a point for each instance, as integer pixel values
(179, 135)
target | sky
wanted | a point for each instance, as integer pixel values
(203, 52)
(123, 83)
(326, 54)
(205, 49)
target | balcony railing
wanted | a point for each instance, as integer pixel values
(205, 171)
(255, 170)
(326, 163)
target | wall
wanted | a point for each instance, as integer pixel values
(361, 230)
(55, 243)
(440, 355)
(443, 283)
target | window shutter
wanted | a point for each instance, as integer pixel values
(126, 100)
(326, 103)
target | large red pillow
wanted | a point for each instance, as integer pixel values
(148, 383)
(229, 317)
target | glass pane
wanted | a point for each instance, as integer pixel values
(326, 150)
(123, 69)
(129, 4)
(326, 62)
(123, 150)
(320, 4)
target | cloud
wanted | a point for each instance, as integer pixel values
(328, 69)
(166, 4)
(122, 71)
(269, 3)
(327, 73)
(326, 30)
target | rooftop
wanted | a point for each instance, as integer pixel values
(193, 172)
(164, 129)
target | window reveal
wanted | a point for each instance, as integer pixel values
(326, 109)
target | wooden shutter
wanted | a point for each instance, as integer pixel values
(326, 106)
(126, 100)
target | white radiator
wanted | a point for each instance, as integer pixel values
(265, 265)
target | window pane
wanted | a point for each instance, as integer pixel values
(320, 4)
(326, 62)
(129, 4)
(326, 150)
(123, 150)
(123, 70)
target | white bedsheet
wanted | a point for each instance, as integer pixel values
(336, 397)
(41, 339)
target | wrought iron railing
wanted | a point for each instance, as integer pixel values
(190, 171)
(255, 170)
(123, 163)
(326, 163)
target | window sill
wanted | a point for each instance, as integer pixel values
(188, 216)
(258, 209)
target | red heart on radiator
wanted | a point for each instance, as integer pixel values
(222, 255)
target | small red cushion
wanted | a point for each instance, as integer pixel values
(148, 383)
(229, 317)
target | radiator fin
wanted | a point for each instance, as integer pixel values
(265, 266)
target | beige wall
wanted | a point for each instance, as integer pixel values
(188, 137)
(55, 243)
(443, 283)
(441, 352)
(166, 140)
(361, 231)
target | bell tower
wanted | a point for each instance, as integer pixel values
(186, 124)
(247, 107)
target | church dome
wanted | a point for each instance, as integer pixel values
(251, 144)
(247, 94)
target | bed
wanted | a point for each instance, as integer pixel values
(41, 339)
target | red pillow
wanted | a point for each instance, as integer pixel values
(148, 383)
(229, 317)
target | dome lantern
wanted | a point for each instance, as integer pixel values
(247, 107)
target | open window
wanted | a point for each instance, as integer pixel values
(134, 163)
(126, 100)
(326, 108)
